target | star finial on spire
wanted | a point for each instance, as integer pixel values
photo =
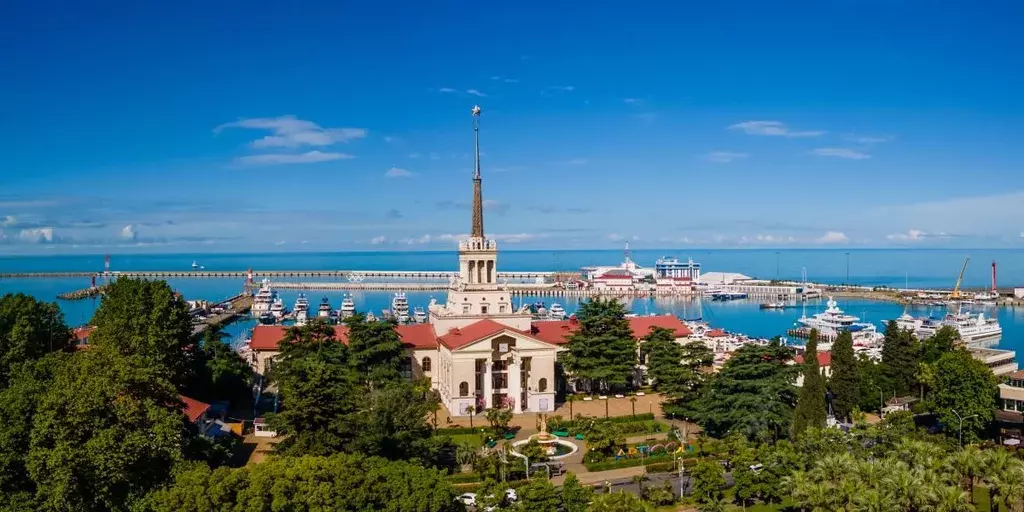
(476, 110)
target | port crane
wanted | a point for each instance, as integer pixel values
(955, 295)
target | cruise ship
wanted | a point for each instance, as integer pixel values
(973, 327)
(400, 308)
(263, 299)
(348, 306)
(834, 321)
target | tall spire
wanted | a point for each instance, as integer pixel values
(478, 202)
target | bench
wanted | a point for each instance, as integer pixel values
(561, 433)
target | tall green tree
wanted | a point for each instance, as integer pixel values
(392, 423)
(844, 383)
(603, 351)
(752, 394)
(375, 350)
(872, 387)
(810, 406)
(105, 432)
(29, 329)
(708, 485)
(538, 496)
(575, 496)
(338, 482)
(149, 323)
(319, 392)
(900, 355)
(944, 340)
(220, 373)
(18, 404)
(967, 386)
(676, 370)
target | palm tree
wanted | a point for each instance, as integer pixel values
(639, 481)
(947, 498)
(471, 410)
(1008, 483)
(632, 403)
(965, 466)
(997, 462)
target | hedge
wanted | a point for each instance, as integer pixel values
(629, 419)
(462, 430)
(667, 467)
(463, 478)
(626, 463)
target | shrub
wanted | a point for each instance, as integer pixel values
(626, 463)
(462, 430)
(629, 419)
(465, 478)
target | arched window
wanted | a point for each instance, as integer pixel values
(464, 389)
(426, 364)
(542, 385)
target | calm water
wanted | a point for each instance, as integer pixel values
(918, 268)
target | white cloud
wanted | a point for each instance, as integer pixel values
(911, 235)
(388, 138)
(36, 235)
(434, 156)
(614, 237)
(396, 172)
(633, 101)
(505, 79)
(868, 139)
(9, 221)
(279, 243)
(128, 232)
(309, 157)
(425, 239)
(291, 132)
(849, 154)
(470, 92)
(377, 240)
(833, 237)
(475, 92)
(414, 155)
(571, 161)
(724, 157)
(772, 129)
(447, 89)
(556, 89)
(512, 238)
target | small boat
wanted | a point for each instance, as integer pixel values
(419, 315)
(195, 265)
(773, 305)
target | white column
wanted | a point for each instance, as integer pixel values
(515, 387)
(487, 385)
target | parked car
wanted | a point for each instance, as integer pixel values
(468, 499)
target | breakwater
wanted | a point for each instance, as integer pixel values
(355, 275)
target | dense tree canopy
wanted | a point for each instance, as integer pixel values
(219, 373)
(752, 394)
(602, 351)
(900, 355)
(676, 370)
(375, 350)
(104, 433)
(810, 407)
(148, 322)
(964, 385)
(338, 482)
(844, 383)
(29, 329)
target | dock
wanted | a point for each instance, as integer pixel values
(238, 306)
(352, 275)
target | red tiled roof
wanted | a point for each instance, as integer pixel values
(824, 359)
(642, 325)
(1017, 375)
(417, 335)
(266, 337)
(555, 331)
(194, 409)
(82, 333)
(716, 333)
(476, 331)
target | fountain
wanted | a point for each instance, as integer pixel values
(553, 447)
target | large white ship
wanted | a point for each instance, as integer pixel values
(348, 306)
(400, 308)
(834, 321)
(262, 299)
(973, 327)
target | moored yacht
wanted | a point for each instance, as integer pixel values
(973, 327)
(556, 311)
(834, 321)
(400, 308)
(419, 315)
(263, 299)
(301, 305)
(277, 308)
(324, 311)
(348, 306)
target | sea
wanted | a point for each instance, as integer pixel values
(897, 268)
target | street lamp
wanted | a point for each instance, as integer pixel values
(960, 430)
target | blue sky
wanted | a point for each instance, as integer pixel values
(270, 126)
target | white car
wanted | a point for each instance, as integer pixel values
(468, 499)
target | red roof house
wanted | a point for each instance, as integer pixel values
(194, 409)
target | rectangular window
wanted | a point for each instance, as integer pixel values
(500, 380)
(501, 309)
(465, 309)
(483, 310)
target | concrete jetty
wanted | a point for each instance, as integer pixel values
(259, 274)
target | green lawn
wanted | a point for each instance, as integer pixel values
(475, 440)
